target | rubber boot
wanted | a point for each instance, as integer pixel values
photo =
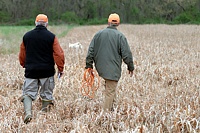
(27, 108)
(46, 105)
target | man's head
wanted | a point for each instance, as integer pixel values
(113, 19)
(41, 19)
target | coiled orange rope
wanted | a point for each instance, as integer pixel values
(90, 83)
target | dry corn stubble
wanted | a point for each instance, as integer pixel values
(162, 96)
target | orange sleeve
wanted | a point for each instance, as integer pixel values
(58, 55)
(22, 54)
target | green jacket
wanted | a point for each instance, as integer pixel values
(107, 50)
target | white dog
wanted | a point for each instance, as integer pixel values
(76, 45)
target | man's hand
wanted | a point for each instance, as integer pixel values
(60, 74)
(131, 73)
(90, 71)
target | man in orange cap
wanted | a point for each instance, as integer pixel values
(39, 51)
(107, 50)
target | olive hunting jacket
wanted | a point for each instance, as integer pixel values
(107, 50)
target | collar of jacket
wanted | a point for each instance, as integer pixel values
(40, 27)
(112, 27)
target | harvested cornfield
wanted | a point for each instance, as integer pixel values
(162, 96)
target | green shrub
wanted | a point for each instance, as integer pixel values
(96, 21)
(183, 18)
(154, 21)
(26, 22)
(4, 17)
(70, 17)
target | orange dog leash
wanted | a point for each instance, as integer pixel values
(90, 83)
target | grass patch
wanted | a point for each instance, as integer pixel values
(61, 30)
(10, 38)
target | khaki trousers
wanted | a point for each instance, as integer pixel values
(110, 94)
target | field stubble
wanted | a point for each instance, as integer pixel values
(162, 96)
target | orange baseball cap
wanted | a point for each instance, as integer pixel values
(41, 18)
(114, 18)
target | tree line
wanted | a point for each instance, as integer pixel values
(23, 12)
